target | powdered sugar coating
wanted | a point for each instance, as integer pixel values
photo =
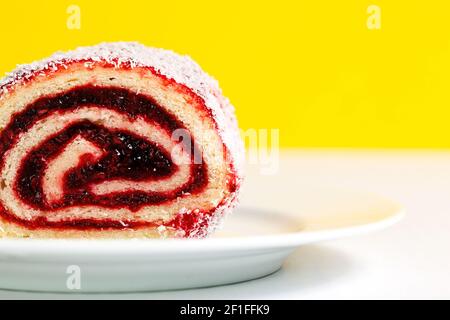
(181, 69)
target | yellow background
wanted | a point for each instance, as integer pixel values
(310, 68)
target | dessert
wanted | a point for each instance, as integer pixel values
(116, 140)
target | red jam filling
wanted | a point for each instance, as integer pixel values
(126, 156)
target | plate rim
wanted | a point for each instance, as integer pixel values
(170, 246)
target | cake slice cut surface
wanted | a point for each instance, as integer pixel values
(116, 140)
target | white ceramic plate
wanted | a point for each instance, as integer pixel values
(252, 244)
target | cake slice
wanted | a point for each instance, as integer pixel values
(116, 140)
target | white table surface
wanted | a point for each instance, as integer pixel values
(409, 260)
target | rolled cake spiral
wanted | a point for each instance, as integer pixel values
(116, 140)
